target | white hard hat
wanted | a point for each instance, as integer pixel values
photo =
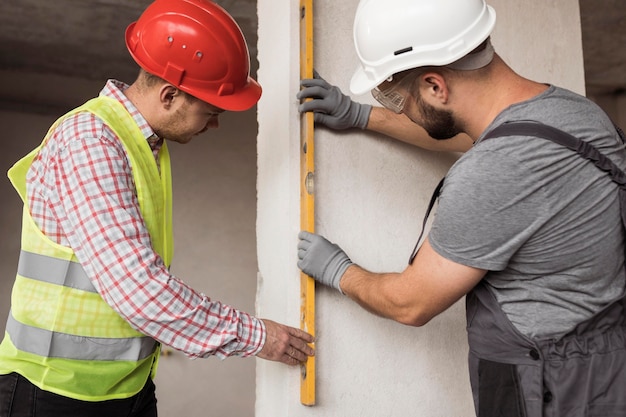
(395, 35)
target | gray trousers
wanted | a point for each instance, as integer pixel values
(582, 374)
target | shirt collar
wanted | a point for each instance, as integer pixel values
(115, 89)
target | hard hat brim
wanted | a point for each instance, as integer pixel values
(243, 99)
(361, 83)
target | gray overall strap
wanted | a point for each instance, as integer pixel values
(581, 147)
(536, 129)
(431, 204)
(584, 149)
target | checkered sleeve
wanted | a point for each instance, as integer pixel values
(82, 191)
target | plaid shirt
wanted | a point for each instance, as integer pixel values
(81, 194)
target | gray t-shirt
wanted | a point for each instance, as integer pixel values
(543, 221)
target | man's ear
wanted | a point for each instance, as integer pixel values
(434, 85)
(167, 94)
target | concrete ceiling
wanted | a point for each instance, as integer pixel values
(82, 39)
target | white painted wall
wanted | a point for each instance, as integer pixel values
(371, 193)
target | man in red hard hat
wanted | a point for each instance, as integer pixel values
(93, 299)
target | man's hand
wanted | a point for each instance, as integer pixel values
(332, 108)
(322, 260)
(285, 344)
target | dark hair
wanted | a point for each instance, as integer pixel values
(148, 80)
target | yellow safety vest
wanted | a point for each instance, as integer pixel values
(61, 335)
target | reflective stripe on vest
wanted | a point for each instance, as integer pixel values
(60, 345)
(54, 271)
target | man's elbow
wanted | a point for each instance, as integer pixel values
(413, 316)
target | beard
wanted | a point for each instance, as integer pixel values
(439, 124)
(175, 128)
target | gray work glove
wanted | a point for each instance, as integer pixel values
(331, 107)
(323, 261)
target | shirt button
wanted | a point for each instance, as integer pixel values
(547, 397)
(534, 354)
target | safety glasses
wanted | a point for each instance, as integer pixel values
(392, 92)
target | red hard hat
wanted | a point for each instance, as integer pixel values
(198, 47)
